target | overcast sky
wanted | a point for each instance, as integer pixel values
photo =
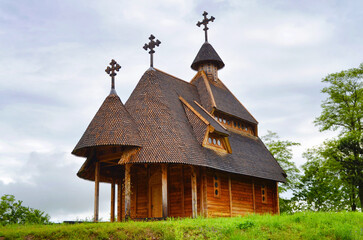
(52, 80)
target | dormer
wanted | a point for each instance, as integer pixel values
(235, 124)
(209, 132)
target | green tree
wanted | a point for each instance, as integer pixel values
(343, 111)
(282, 152)
(320, 188)
(12, 212)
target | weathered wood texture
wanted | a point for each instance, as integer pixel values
(97, 190)
(144, 179)
(164, 189)
(119, 200)
(112, 215)
(194, 191)
(241, 189)
(127, 191)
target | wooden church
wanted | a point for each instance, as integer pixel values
(179, 148)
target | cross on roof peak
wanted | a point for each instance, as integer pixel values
(205, 23)
(111, 71)
(151, 45)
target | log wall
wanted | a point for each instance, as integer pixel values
(245, 193)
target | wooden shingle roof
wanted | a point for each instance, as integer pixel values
(169, 135)
(111, 126)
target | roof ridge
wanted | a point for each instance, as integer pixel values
(205, 78)
(238, 101)
(209, 114)
(176, 78)
(193, 110)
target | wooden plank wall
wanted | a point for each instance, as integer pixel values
(218, 206)
(180, 195)
(242, 195)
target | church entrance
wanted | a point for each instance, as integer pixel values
(156, 195)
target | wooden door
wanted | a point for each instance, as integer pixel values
(156, 196)
(156, 202)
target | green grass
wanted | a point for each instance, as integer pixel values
(344, 225)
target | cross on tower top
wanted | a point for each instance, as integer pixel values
(205, 23)
(111, 71)
(151, 46)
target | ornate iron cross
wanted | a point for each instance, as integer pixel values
(151, 46)
(205, 23)
(111, 71)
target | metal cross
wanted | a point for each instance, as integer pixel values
(205, 23)
(151, 46)
(111, 71)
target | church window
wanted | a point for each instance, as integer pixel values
(263, 194)
(210, 140)
(216, 184)
(224, 120)
(235, 124)
(219, 142)
(214, 141)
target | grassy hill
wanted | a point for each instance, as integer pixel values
(345, 225)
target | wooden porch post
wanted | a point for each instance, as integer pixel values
(127, 191)
(97, 189)
(204, 206)
(112, 201)
(119, 200)
(194, 192)
(230, 194)
(253, 197)
(277, 198)
(164, 189)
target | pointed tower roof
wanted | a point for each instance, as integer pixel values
(111, 126)
(207, 54)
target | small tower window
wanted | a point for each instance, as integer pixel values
(210, 140)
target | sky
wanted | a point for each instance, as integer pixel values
(52, 80)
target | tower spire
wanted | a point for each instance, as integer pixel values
(205, 23)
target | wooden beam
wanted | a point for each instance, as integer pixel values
(112, 201)
(230, 194)
(254, 197)
(194, 192)
(205, 192)
(201, 211)
(119, 201)
(164, 189)
(277, 198)
(127, 191)
(182, 190)
(97, 190)
(148, 193)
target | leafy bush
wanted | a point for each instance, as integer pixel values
(12, 212)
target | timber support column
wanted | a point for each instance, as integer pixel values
(277, 198)
(164, 189)
(112, 218)
(127, 191)
(119, 201)
(194, 192)
(97, 189)
(204, 202)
